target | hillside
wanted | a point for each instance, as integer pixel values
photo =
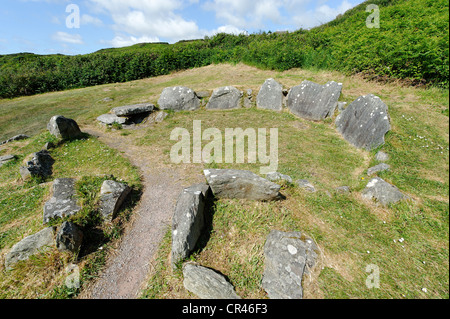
(411, 44)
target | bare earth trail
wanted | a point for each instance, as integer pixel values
(127, 270)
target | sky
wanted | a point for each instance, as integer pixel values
(78, 27)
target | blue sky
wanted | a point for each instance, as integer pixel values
(85, 26)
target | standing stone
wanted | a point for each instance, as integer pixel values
(229, 183)
(129, 110)
(112, 196)
(364, 122)
(207, 283)
(187, 223)
(63, 202)
(30, 245)
(64, 128)
(69, 237)
(312, 101)
(41, 164)
(224, 98)
(270, 96)
(178, 98)
(382, 191)
(288, 255)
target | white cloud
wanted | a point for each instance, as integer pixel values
(67, 38)
(124, 41)
(87, 19)
(320, 15)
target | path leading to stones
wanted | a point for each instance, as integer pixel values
(127, 270)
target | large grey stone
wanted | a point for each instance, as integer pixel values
(69, 237)
(187, 223)
(364, 122)
(109, 119)
(207, 283)
(178, 98)
(382, 191)
(230, 183)
(312, 101)
(378, 168)
(270, 96)
(63, 202)
(64, 128)
(224, 98)
(288, 256)
(41, 164)
(30, 245)
(112, 196)
(129, 110)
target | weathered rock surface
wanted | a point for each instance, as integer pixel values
(30, 245)
(381, 156)
(178, 98)
(276, 176)
(224, 98)
(270, 96)
(378, 168)
(64, 128)
(41, 164)
(207, 283)
(187, 223)
(305, 184)
(288, 256)
(15, 138)
(6, 158)
(63, 203)
(109, 119)
(312, 101)
(112, 196)
(129, 110)
(382, 191)
(229, 183)
(364, 122)
(69, 237)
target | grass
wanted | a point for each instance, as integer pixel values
(350, 232)
(21, 204)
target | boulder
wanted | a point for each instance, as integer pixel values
(15, 138)
(178, 98)
(381, 156)
(63, 202)
(288, 256)
(270, 96)
(305, 184)
(224, 98)
(30, 245)
(110, 119)
(230, 183)
(276, 176)
(6, 158)
(64, 128)
(129, 110)
(187, 223)
(41, 164)
(112, 196)
(382, 191)
(207, 283)
(312, 101)
(364, 122)
(69, 237)
(378, 168)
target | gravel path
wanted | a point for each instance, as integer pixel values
(128, 269)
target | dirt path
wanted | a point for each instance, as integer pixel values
(127, 270)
